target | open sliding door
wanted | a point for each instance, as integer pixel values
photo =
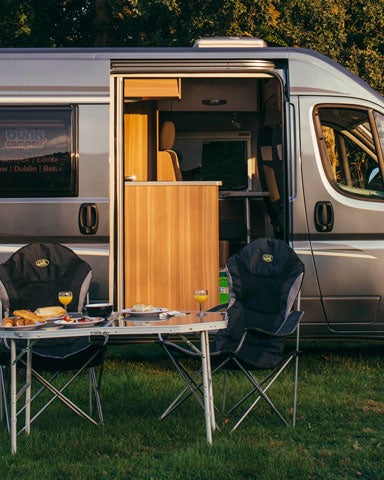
(165, 234)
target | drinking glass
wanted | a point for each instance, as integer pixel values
(65, 298)
(201, 296)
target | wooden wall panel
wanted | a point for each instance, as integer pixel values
(140, 140)
(171, 244)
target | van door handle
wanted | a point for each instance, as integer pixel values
(88, 218)
(324, 216)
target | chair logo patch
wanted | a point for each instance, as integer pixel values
(43, 262)
(267, 257)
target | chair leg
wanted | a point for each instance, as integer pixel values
(251, 392)
(94, 391)
(258, 387)
(57, 393)
(262, 394)
(191, 387)
(4, 412)
(2, 403)
(224, 392)
(295, 383)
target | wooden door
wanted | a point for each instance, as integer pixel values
(171, 243)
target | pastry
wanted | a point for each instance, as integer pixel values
(28, 315)
(50, 312)
(141, 307)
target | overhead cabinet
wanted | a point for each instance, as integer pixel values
(152, 88)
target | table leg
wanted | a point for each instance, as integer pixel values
(207, 385)
(28, 376)
(13, 398)
(212, 405)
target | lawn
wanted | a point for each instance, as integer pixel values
(339, 432)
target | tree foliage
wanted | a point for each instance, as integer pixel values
(349, 31)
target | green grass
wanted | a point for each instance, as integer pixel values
(339, 432)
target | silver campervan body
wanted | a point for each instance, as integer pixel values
(58, 96)
(292, 142)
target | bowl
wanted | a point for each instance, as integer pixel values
(99, 309)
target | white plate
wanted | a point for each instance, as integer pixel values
(143, 320)
(92, 321)
(53, 319)
(25, 327)
(155, 311)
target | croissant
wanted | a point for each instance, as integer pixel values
(28, 315)
(7, 322)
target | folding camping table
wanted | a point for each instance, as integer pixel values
(176, 326)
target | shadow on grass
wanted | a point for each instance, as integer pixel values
(153, 352)
(344, 348)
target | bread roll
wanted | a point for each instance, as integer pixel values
(141, 307)
(50, 312)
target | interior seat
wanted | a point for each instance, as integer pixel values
(168, 167)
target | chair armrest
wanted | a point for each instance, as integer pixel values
(218, 308)
(176, 347)
(288, 326)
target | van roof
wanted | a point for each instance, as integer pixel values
(38, 72)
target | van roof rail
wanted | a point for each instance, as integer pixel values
(231, 42)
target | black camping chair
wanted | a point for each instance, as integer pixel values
(264, 281)
(29, 279)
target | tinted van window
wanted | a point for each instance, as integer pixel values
(38, 152)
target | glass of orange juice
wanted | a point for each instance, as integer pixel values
(65, 298)
(201, 296)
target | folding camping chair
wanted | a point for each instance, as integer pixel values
(30, 279)
(264, 281)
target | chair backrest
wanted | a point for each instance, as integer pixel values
(34, 274)
(264, 279)
(168, 168)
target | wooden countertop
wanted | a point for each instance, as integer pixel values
(175, 184)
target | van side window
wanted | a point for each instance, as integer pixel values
(38, 152)
(379, 121)
(350, 154)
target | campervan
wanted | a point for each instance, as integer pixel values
(157, 164)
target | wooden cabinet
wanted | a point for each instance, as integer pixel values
(152, 88)
(170, 243)
(140, 140)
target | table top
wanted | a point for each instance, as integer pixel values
(189, 323)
